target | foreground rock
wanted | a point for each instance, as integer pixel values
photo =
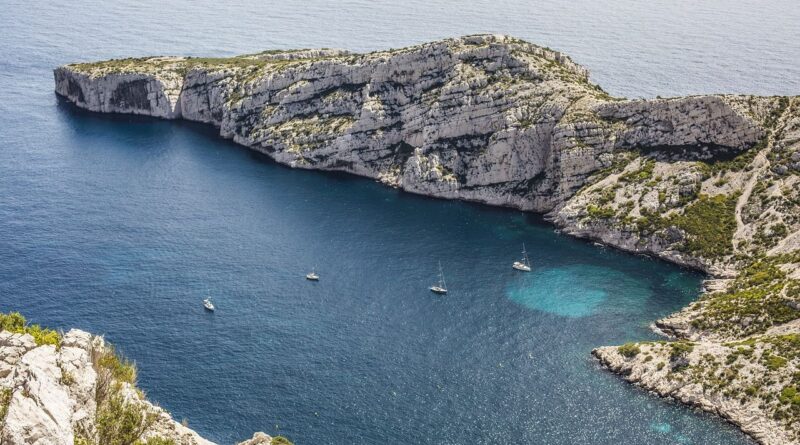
(709, 182)
(52, 394)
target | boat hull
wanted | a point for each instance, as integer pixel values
(521, 267)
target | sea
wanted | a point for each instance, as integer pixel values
(121, 225)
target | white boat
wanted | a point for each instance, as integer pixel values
(525, 264)
(441, 287)
(312, 276)
(208, 305)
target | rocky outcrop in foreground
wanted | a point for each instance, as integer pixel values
(74, 390)
(709, 182)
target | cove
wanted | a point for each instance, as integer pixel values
(126, 223)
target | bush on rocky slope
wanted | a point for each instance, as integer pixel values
(16, 323)
(121, 415)
(752, 303)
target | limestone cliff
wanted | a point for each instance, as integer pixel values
(709, 182)
(482, 118)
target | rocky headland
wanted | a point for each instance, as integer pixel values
(708, 182)
(75, 389)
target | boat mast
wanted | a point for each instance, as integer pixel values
(442, 284)
(525, 259)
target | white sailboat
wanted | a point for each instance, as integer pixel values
(525, 264)
(441, 287)
(208, 305)
(312, 276)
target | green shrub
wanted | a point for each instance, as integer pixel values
(121, 369)
(5, 400)
(644, 173)
(756, 295)
(157, 441)
(80, 440)
(120, 421)
(629, 350)
(600, 212)
(791, 395)
(680, 349)
(709, 224)
(16, 323)
(280, 440)
(12, 322)
(44, 336)
(773, 362)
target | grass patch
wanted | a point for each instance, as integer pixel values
(121, 369)
(5, 400)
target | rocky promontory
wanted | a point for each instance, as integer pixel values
(709, 182)
(75, 389)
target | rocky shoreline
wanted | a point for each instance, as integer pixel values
(709, 182)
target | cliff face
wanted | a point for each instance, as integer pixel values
(51, 393)
(75, 391)
(709, 182)
(482, 118)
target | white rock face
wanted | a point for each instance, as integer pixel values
(53, 392)
(482, 118)
(258, 438)
(130, 93)
(41, 408)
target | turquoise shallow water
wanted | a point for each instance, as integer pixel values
(120, 225)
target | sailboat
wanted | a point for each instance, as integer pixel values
(312, 276)
(208, 305)
(441, 287)
(525, 264)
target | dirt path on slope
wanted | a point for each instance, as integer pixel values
(760, 164)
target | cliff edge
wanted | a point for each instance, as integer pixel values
(74, 389)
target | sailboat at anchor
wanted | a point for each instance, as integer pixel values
(525, 264)
(441, 287)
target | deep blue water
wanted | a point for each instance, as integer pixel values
(120, 225)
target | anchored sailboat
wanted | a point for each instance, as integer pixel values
(525, 264)
(441, 287)
(312, 276)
